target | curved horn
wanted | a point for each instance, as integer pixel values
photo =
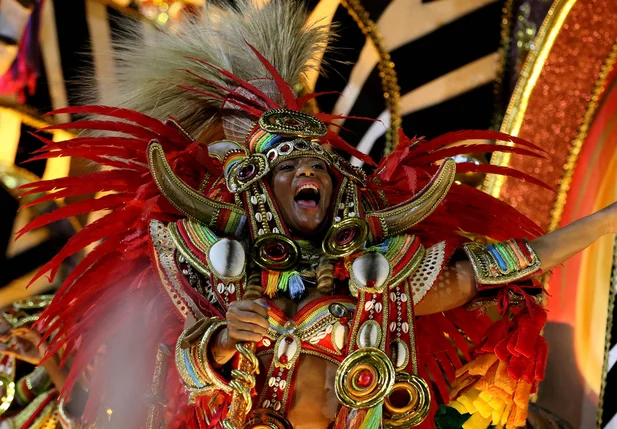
(182, 196)
(403, 216)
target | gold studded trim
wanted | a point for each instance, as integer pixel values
(193, 366)
(164, 259)
(198, 253)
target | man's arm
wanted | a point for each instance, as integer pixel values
(456, 286)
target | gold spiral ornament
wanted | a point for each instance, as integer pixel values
(325, 275)
(364, 378)
(408, 403)
(243, 381)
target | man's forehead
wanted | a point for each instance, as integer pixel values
(304, 160)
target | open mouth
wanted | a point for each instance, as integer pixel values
(307, 196)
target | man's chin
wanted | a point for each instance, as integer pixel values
(309, 227)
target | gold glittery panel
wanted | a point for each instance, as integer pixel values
(552, 104)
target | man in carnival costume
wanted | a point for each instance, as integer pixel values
(248, 276)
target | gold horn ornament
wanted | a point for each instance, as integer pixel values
(401, 217)
(182, 196)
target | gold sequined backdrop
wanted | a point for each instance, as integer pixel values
(565, 102)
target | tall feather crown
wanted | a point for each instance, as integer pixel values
(153, 76)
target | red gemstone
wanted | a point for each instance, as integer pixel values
(275, 251)
(247, 172)
(365, 378)
(284, 359)
(344, 321)
(289, 340)
(345, 236)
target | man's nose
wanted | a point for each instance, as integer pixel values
(305, 171)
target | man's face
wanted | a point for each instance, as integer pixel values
(302, 190)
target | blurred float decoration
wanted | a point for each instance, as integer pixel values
(162, 12)
(20, 61)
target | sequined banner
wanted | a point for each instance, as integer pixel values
(554, 98)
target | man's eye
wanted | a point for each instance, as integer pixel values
(318, 167)
(286, 167)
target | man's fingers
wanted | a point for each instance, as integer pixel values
(253, 307)
(241, 336)
(249, 318)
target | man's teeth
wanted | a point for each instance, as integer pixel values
(307, 186)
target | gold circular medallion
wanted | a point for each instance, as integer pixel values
(345, 237)
(408, 403)
(275, 252)
(364, 378)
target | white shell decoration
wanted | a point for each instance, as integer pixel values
(371, 266)
(266, 404)
(318, 337)
(392, 297)
(266, 342)
(254, 199)
(227, 258)
(288, 349)
(258, 217)
(339, 336)
(378, 307)
(231, 288)
(368, 306)
(282, 384)
(369, 334)
(272, 381)
(220, 288)
(403, 297)
(392, 326)
(405, 327)
(329, 329)
(277, 406)
(399, 354)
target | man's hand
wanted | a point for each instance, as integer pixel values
(246, 321)
(26, 348)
